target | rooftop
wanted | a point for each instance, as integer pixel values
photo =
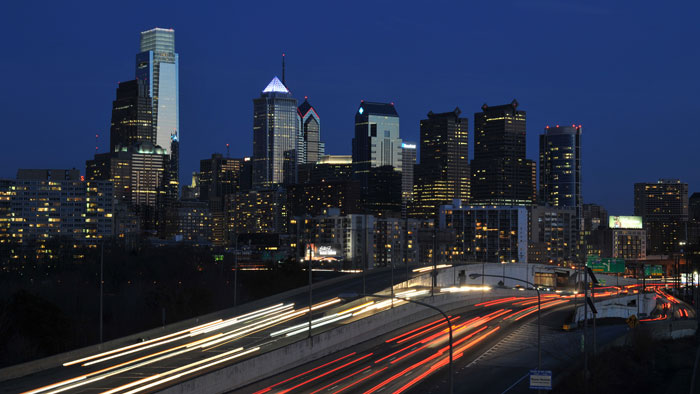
(371, 108)
(276, 86)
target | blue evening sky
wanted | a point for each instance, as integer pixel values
(627, 71)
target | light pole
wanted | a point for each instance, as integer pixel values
(102, 259)
(539, 304)
(447, 318)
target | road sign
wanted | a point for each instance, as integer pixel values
(653, 270)
(632, 321)
(540, 380)
(606, 264)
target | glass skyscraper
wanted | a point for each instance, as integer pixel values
(275, 136)
(157, 65)
(560, 166)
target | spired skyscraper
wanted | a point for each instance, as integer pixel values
(275, 136)
(501, 175)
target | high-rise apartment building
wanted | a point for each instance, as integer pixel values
(132, 118)
(443, 172)
(501, 174)
(377, 141)
(275, 136)
(492, 234)
(663, 207)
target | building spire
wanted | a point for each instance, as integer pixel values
(284, 81)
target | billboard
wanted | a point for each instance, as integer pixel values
(625, 222)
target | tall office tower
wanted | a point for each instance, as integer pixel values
(157, 66)
(501, 175)
(310, 146)
(560, 166)
(408, 162)
(377, 141)
(663, 207)
(132, 118)
(443, 172)
(275, 135)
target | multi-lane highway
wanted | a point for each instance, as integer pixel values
(416, 358)
(176, 356)
(394, 363)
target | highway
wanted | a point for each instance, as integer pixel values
(400, 361)
(176, 356)
(394, 363)
(415, 359)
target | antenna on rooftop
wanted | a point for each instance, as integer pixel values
(228, 152)
(284, 82)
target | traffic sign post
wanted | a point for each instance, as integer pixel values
(540, 380)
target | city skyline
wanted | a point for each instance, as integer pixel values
(608, 99)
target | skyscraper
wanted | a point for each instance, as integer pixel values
(663, 207)
(408, 163)
(560, 166)
(443, 172)
(275, 135)
(132, 117)
(560, 175)
(310, 146)
(377, 141)
(501, 175)
(157, 66)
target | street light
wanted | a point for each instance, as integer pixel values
(539, 336)
(449, 323)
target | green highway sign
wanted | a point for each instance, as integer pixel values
(653, 270)
(606, 264)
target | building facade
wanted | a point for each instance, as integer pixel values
(663, 207)
(553, 234)
(501, 174)
(487, 233)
